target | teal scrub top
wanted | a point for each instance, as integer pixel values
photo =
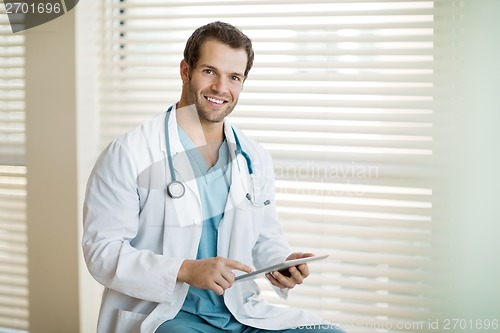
(213, 186)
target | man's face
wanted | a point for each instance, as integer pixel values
(215, 83)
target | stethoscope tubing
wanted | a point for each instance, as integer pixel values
(176, 189)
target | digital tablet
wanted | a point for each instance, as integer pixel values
(277, 267)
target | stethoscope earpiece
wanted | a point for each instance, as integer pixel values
(249, 198)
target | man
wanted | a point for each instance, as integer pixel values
(178, 207)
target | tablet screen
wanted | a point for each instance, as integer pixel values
(278, 267)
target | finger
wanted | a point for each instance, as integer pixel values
(295, 255)
(299, 255)
(287, 282)
(296, 275)
(224, 282)
(217, 289)
(234, 264)
(229, 277)
(303, 269)
(274, 282)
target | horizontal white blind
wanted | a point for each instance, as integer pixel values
(341, 95)
(13, 248)
(11, 93)
(13, 234)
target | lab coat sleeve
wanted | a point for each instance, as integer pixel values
(111, 221)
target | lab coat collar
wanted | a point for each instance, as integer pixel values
(175, 143)
(184, 173)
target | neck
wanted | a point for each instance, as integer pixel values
(213, 132)
(206, 136)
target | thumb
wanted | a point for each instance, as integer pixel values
(299, 255)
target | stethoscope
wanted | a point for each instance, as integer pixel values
(176, 189)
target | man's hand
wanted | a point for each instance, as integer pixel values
(211, 273)
(294, 275)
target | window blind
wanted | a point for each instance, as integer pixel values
(341, 95)
(13, 239)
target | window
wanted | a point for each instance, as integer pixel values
(341, 95)
(13, 239)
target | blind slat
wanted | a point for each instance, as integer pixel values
(13, 231)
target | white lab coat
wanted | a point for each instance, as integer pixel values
(136, 237)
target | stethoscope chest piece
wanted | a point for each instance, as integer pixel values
(175, 189)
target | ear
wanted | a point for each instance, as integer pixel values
(184, 69)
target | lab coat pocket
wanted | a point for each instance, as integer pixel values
(254, 305)
(129, 322)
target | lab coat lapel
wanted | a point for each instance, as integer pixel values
(188, 207)
(239, 173)
(236, 213)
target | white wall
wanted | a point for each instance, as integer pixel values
(61, 147)
(51, 163)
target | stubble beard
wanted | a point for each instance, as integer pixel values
(204, 113)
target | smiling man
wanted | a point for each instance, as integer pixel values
(214, 83)
(213, 74)
(179, 206)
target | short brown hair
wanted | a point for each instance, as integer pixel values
(222, 32)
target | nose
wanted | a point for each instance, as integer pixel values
(219, 85)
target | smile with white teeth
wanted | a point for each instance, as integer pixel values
(214, 100)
